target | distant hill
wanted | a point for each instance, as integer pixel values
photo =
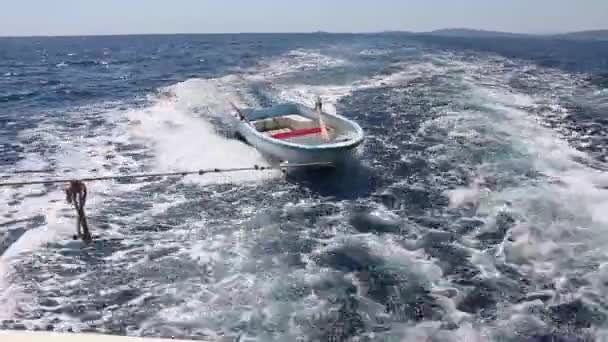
(471, 33)
(584, 35)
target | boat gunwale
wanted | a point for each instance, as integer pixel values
(350, 143)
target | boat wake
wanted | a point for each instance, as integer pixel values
(182, 127)
(474, 210)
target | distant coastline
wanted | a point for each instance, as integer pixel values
(599, 35)
(470, 33)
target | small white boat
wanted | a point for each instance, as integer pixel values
(294, 133)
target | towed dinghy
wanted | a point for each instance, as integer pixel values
(295, 133)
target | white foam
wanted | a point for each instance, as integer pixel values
(432, 331)
(183, 141)
(564, 212)
(11, 297)
(179, 132)
(331, 94)
(177, 129)
(207, 97)
(559, 216)
(82, 156)
(292, 62)
(464, 196)
(373, 52)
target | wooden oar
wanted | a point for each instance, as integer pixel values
(324, 132)
(241, 114)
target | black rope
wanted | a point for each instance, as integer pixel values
(161, 174)
(76, 194)
(76, 191)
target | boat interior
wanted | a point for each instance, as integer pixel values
(295, 128)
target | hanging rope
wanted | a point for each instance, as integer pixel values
(76, 190)
(76, 194)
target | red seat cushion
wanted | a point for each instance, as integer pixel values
(297, 132)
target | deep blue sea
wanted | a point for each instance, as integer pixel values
(476, 209)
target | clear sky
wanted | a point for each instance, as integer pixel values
(77, 17)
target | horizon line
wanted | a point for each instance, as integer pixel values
(287, 32)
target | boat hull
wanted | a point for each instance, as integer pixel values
(275, 149)
(294, 154)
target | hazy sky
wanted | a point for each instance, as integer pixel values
(74, 17)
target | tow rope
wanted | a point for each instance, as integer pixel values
(76, 190)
